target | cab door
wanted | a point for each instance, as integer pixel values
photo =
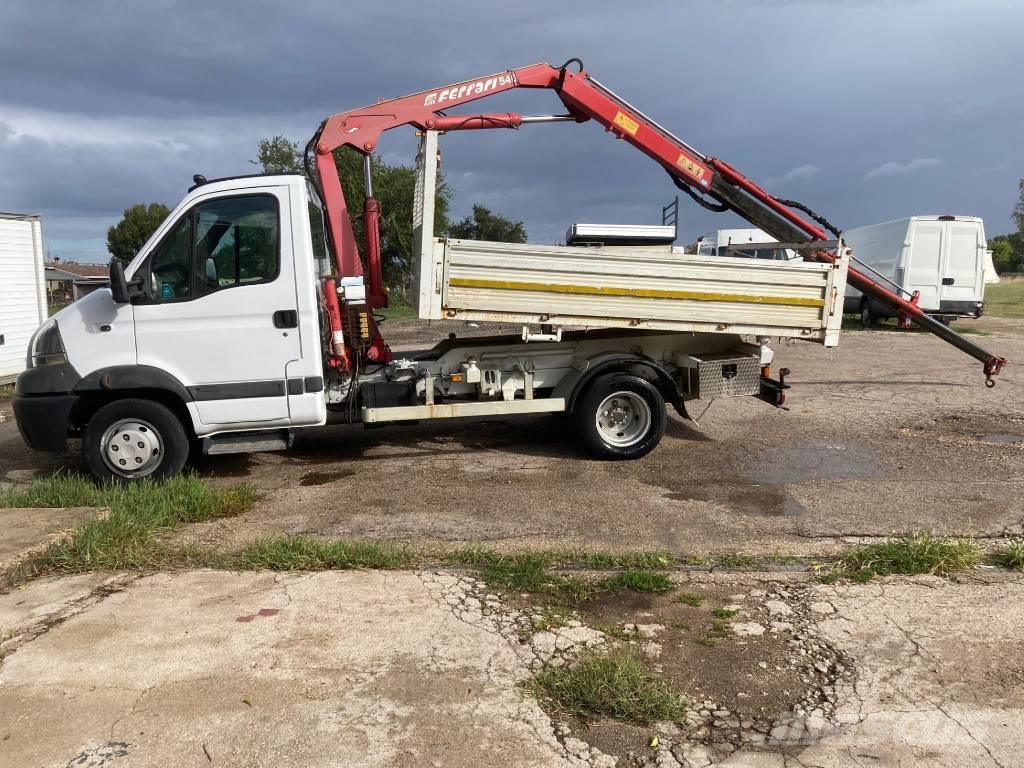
(219, 310)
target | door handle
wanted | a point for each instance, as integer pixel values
(286, 318)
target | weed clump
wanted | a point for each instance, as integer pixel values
(638, 581)
(303, 553)
(1010, 556)
(917, 553)
(616, 684)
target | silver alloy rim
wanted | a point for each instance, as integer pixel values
(623, 419)
(132, 448)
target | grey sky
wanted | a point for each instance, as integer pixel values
(866, 111)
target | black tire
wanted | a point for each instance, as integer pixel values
(640, 410)
(151, 441)
(867, 317)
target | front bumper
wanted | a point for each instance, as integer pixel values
(43, 420)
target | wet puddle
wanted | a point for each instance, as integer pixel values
(322, 478)
(760, 487)
(769, 500)
(814, 461)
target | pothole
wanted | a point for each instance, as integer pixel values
(745, 656)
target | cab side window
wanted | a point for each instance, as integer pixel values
(219, 244)
(236, 242)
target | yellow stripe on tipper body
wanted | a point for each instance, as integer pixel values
(642, 293)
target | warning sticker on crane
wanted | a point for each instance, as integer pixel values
(626, 123)
(690, 167)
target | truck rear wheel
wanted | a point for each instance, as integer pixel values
(131, 439)
(867, 317)
(621, 416)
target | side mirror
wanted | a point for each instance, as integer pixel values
(121, 290)
(118, 284)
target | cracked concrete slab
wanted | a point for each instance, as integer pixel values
(353, 669)
(413, 669)
(940, 676)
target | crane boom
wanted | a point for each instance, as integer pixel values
(702, 176)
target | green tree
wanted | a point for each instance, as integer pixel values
(1003, 257)
(139, 222)
(485, 225)
(1007, 252)
(279, 155)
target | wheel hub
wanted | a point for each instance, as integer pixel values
(132, 448)
(623, 419)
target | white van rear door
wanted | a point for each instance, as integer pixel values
(924, 262)
(963, 267)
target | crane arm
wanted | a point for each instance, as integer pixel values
(585, 98)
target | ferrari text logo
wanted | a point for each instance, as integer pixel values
(475, 88)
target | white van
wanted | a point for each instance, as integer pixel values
(941, 257)
(739, 243)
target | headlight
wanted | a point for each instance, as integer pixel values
(46, 347)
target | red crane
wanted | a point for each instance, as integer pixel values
(712, 182)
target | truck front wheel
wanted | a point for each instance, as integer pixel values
(621, 416)
(132, 439)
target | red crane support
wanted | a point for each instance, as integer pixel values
(585, 99)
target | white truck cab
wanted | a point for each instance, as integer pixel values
(218, 334)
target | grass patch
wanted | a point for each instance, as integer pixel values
(399, 310)
(302, 553)
(737, 560)
(718, 631)
(617, 632)
(688, 598)
(529, 573)
(580, 558)
(615, 684)
(522, 573)
(549, 617)
(723, 613)
(638, 581)
(637, 560)
(1010, 556)
(1005, 299)
(127, 537)
(910, 555)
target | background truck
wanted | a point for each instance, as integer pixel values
(22, 289)
(740, 243)
(940, 258)
(248, 316)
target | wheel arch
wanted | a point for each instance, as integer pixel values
(573, 387)
(107, 385)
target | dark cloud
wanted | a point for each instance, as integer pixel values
(867, 110)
